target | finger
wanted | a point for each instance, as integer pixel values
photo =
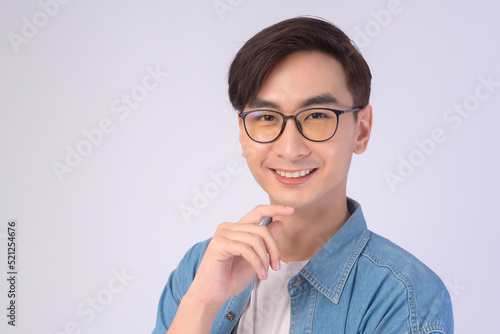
(238, 248)
(266, 244)
(274, 257)
(275, 228)
(257, 215)
(255, 241)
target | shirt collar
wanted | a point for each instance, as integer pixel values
(328, 270)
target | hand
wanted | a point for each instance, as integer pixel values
(236, 253)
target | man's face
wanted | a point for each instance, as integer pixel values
(304, 80)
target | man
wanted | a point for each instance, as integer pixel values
(302, 90)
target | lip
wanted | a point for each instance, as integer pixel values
(292, 181)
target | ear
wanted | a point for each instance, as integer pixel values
(242, 133)
(363, 129)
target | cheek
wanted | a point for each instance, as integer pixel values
(255, 156)
(248, 150)
(338, 156)
(253, 152)
(346, 133)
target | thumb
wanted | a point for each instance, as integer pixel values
(276, 227)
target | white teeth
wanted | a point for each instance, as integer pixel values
(294, 174)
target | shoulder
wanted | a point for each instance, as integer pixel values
(421, 292)
(384, 253)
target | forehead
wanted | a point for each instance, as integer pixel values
(302, 76)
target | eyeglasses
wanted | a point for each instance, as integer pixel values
(315, 124)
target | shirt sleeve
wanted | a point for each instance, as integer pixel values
(432, 316)
(407, 297)
(177, 285)
(169, 302)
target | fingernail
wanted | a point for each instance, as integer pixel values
(263, 273)
(278, 264)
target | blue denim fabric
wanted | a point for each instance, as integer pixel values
(358, 282)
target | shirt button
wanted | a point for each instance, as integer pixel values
(230, 315)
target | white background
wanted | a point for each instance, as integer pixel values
(118, 210)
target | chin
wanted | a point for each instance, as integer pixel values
(292, 200)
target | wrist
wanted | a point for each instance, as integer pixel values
(194, 316)
(194, 299)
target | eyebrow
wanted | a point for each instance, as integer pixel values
(261, 103)
(325, 98)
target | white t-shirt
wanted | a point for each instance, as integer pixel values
(269, 308)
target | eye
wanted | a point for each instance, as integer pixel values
(317, 115)
(268, 118)
(263, 116)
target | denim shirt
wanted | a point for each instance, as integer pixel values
(358, 282)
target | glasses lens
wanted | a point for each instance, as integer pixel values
(318, 124)
(263, 125)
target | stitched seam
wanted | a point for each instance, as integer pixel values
(430, 329)
(348, 267)
(310, 316)
(345, 272)
(293, 315)
(177, 285)
(408, 285)
(319, 286)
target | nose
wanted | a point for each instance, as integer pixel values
(291, 145)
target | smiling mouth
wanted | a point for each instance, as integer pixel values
(294, 175)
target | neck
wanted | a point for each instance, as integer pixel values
(310, 227)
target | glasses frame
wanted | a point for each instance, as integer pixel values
(297, 123)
